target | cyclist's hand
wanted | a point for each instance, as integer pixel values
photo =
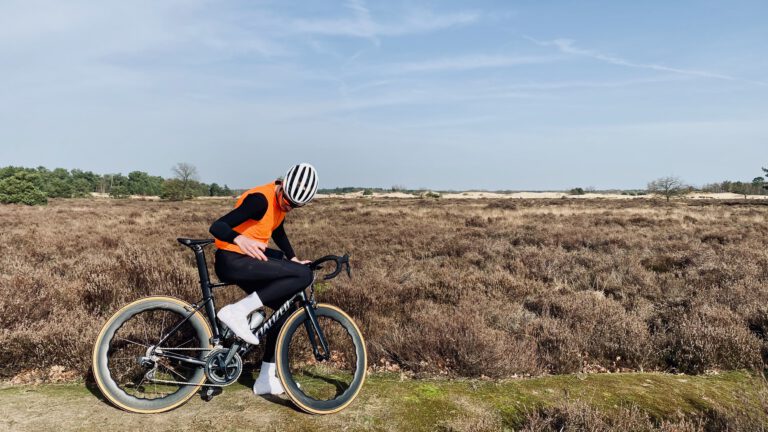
(252, 248)
(296, 260)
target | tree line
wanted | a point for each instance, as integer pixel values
(35, 185)
(671, 186)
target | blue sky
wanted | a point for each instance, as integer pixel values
(446, 95)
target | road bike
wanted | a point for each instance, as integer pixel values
(154, 354)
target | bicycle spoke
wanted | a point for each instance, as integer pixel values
(135, 343)
(127, 350)
(169, 368)
(162, 328)
(328, 379)
(179, 346)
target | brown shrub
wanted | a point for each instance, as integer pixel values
(457, 287)
(579, 416)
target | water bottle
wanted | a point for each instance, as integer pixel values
(256, 318)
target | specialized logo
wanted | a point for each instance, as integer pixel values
(271, 321)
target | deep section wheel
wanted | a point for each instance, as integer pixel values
(135, 372)
(331, 382)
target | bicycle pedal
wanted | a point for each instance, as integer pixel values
(209, 392)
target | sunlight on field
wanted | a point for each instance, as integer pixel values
(488, 287)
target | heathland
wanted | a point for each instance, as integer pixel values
(493, 288)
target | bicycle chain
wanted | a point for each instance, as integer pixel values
(186, 349)
(206, 384)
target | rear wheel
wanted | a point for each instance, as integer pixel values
(328, 385)
(136, 374)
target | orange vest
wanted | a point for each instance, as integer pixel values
(260, 230)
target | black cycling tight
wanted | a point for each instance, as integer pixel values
(275, 281)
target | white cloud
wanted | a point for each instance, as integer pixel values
(567, 46)
(465, 63)
(362, 25)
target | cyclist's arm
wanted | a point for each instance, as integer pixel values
(281, 240)
(254, 206)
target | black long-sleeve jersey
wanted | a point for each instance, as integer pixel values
(254, 206)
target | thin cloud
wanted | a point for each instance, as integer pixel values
(362, 25)
(466, 63)
(567, 46)
(567, 85)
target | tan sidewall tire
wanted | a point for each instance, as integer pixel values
(95, 363)
(296, 315)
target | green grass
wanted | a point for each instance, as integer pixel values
(389, 403)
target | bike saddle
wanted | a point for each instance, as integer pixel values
(194, 242)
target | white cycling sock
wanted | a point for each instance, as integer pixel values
(250, 303)
(268, 382)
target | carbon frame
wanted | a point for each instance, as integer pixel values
(207, 301)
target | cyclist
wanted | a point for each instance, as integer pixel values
(242, 236)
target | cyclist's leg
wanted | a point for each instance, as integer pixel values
(255, 277)
(274, 280)
(292, 279)
(271, 282)
(267, 382)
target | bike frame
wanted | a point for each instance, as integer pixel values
(301, 300)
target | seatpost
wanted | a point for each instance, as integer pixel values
(205, 286)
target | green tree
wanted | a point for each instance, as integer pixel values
(23, 187)
(118, 186)
(215, 190)
(175, 190)
(84, 182)
(758, 185)
(9, 171)
(141, 183)
(577, 191)
(58, 183)
(81, 188)
(741, 188)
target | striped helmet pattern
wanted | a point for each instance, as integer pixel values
(300, 184)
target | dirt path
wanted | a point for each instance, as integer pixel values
(389, 404)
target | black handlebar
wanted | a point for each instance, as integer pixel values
(342, 263)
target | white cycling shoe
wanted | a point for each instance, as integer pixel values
(237, 321)
(268, 382)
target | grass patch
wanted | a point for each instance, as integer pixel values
(734, 400)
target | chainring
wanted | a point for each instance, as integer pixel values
(221, 374)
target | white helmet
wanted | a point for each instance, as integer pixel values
(300, 184)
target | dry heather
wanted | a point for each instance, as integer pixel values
(486, 287)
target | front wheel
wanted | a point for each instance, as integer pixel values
(330, 384)
(137, 373)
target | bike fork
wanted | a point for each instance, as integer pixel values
(313, 326)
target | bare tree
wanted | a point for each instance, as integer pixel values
(667, 187)
(187, 174)
(185, 171)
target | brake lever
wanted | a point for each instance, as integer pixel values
(349, 268)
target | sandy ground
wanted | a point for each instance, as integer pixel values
(387, 403)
